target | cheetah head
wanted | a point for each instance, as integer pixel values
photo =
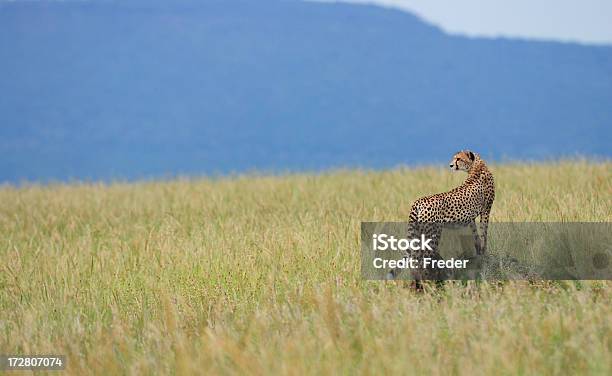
(462, 161)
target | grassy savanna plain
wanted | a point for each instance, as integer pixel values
(261, 274)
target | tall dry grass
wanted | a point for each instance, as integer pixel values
(258, 275)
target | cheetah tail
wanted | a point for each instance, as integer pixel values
(414, 213)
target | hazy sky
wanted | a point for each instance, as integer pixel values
(586, 21)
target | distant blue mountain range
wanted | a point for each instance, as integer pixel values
(99, 90)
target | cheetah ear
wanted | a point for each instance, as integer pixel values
(471, 155)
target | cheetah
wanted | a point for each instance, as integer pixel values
(461, 205)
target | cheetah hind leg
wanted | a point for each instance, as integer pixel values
(414, 285)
